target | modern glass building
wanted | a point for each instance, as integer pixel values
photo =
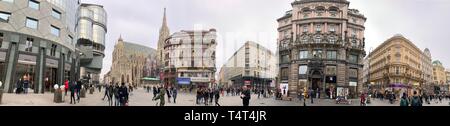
(91, 29)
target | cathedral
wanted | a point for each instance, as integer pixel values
(131, 63)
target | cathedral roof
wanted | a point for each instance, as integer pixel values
(132, 48)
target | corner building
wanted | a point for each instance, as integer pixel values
(321, 47)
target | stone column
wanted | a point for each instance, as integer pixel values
(11, 60)
(40, 69)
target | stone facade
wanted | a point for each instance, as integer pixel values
(439, 75)
(130, 63)
(190, 58)
(321, 47)
(397, 65)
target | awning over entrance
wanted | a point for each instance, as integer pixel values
(150, 79)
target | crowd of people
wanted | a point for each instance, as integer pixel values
(206, 95)
(117, 95)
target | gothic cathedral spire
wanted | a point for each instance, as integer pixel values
(164, 33)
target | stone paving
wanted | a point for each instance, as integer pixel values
(141, 98)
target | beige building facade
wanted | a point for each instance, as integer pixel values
(397, 65)
(439, 74)
(190, 58)
(252, 64)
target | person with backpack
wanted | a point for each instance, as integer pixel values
(160, 97)
(415, 101)
(404, 101)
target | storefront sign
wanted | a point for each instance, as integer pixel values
(184, 81)
(200, 79)
(52, 63)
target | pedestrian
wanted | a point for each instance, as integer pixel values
(168, 94)
(311, 95)
(245, 96)
(116, 95)
(415, 100)
(404, 101)
(78, 90)
(299, 96)
(123, 95)
(205, 96)
(110, 90)
(72, 93)
(155, 91)
(211, 96)
(66, 86)
(362, 99)
(174, 95)
(258, 92)
(106, 93)
(216, 97)
(160, 97)
(25, 85)
(19, 86)
(198, 97)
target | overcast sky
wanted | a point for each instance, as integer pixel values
(424, 22)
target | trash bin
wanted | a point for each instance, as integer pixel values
(1, 95)
(83, 93)
(57, 94)
(91, 90)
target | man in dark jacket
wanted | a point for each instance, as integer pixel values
(155, 91)
(245, 96)
(72, 92)
(78, 90)
(216, 97)
(123, 95)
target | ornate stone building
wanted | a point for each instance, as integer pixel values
(189, 58)
(439, 76)
(398, 65)
(129, 61)
(321, 46)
